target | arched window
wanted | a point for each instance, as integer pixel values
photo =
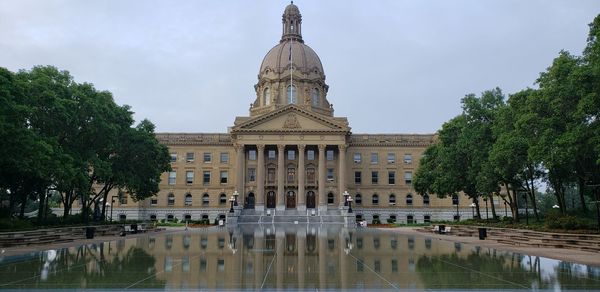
(291, 94)
(409, 200)
(205, 200)
(267, 96)
(330, 198)
(358, 199)
(170, 217)
(188, 199)
(375, 199)
(315, 96)
(426, 199)
(153, 217)
(171, 199)
(392, 199)
(454, 200)
(222, 199)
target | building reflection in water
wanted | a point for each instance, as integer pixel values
(290, 257)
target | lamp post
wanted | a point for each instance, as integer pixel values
(472, 210)
(487, 217)
(505, 210)
(112, 201)
(555, 207)
(105, 214)
(346, 195)
(594, 188)
(349, 201)
(236, 194)
(231, 200)
(524, 196)
(457, 213)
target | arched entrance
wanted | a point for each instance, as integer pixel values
(250, 201)
(311, 200)
(290, 200)
(271, 200)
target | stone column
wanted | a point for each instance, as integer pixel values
(342, 174)
(280, 177)
(239, 176)
(301, 171)
(260, 180)
(322, 178)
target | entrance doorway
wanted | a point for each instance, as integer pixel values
(311, 201)
(271, 200)
(290, 200)
(250, 201)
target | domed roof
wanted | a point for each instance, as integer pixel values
(304, 58)
(292, 8)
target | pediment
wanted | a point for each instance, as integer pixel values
(291, 119)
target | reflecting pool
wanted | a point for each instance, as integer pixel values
(290, 257)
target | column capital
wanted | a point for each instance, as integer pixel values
(321, 147)
(280, 147)
(261, 147)
(301, 147)
(238, 147)
(342, 147)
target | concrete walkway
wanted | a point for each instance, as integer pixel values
(564, 254)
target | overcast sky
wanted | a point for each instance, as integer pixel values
(391, 66)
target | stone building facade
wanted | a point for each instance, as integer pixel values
(292, 154)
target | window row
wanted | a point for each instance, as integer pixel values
(391, 177)
(358, 199)
(391, 158)
(188, 199)
(291, 96)
(206, 177)
(291, 154)
(207, 157)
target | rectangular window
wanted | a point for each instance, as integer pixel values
(251, 174)
(357, 177)
(252, 155)
(189, 177)
(374, 177)
(189, 157)
(206, 177)
(207, 157)
(271, 175)
(172, 177)
(392, 177)
(271, 154)
(154, 201)
(330, 174)
(374, 158)
(224, 175)
(357, 158)
(310, 175)
(173, 157)
(329, 155)
(224, 157)
(391, 158)
(291, 175)
(310, 154)
(122, 199)
(407, 158)
(291, 155)
(408, 177)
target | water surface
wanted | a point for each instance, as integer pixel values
(290, 257)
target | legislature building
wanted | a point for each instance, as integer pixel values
(291, 156)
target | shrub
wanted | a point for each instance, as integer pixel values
(556, 220)
(391, 220)
(376, 221)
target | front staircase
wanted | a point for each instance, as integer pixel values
(310, 216)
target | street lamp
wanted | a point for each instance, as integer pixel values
(555, 207)
(236, 194)
(112, 201)
(487, 217)
(349, 200)
(106, 215)
(346, 195)
(524, 196)
(457, 213)
(505, 210)
(231, 200)
(472, 210)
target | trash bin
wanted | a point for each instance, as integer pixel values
(441, 229)
(482, 233)
(134, 228)
(89, 232)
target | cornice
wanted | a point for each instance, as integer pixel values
(210, 139)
